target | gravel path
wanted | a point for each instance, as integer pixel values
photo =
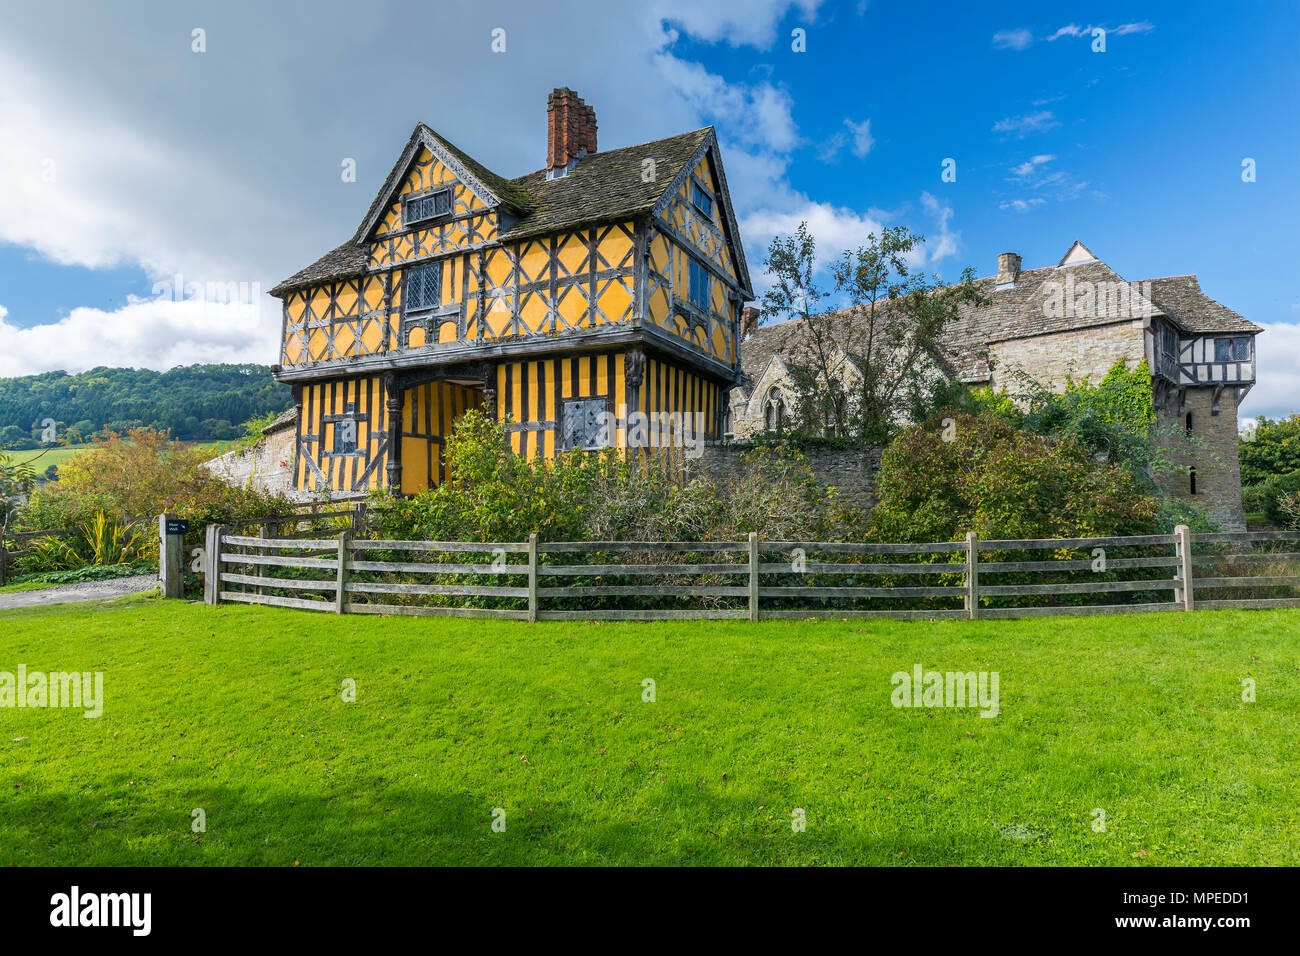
(86, 591)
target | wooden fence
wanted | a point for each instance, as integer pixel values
(755, 579)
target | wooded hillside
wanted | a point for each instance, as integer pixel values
(195, 402)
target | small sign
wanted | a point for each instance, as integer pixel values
(176, 526)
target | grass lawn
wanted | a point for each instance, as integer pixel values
(237, 710)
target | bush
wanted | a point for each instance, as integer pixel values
(492, 494)
(1001, 482)
(1267, 497)
(124, 483)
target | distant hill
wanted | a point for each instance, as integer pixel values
(196, 402)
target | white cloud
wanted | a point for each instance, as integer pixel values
(1071, 30)
(945, 243)
(1021, 205)
(1022, 126)
(856, 135)
(835, 228)
(1277, 373)
(1012, 39)
(744, 24)
(1125, 29)
(1031, 164)
(144, 333)
(759, 115)
(862, 138)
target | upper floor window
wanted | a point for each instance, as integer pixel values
(583, 424)
(424, 287)
(429, 206)
(700, 290)
(1232, 350)
(1169, 343)
(702, 201)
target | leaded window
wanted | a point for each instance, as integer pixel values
(1236, 349)
(424, 287)
(345, 432)
(583, 424)
(427, 207)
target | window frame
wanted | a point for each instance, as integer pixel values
(598, 444)
(1231, 343)
(349, 416)
(422, 269)
(703, 271)
(698, 192)
(422, 198)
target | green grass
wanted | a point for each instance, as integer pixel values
(237, 710)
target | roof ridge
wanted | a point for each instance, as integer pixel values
(619, 149)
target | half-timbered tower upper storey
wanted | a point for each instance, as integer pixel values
(628, 259)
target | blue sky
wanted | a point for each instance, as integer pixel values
(132, 157)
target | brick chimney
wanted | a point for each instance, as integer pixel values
(1008, 268)
(570, 129)
(748, 320)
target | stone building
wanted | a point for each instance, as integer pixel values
(1077, 319)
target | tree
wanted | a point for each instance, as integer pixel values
(856, 371)
(1270, 448)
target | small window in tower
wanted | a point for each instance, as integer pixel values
(429, 206)
(1192, 480)
(1189, 424)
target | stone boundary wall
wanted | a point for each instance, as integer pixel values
(851, 471)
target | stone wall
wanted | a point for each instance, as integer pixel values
(1082, 353)
(851, 471)
(267, 466)
(1213, 455)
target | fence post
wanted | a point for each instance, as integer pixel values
(4, 561)
(170, 559)
(753, 575)
(260, 569)
(532, 578)
(212, 574)
(972, 576)
(1183, 549)
(341, 581)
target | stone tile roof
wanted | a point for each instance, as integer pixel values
(602, 187)
(1183, 301)
(1032, 306)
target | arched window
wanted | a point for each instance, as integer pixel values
(775, 410)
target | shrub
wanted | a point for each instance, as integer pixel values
(1001, 482)
(129, 480)
(1266, 497)
(492, 494)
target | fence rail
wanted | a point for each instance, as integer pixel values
(756, 579)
